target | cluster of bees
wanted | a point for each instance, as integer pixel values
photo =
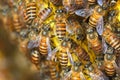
(73, 39)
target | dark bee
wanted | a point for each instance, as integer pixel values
(60, 24)
(31, 12)
(72, 5)
(57, 2)
(44, 14)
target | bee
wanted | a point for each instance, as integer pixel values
(57, 2)
(72, 5)
(94, 73)
(54, 72)
(60, 24)
(93, 40)
(109, 60)
(74, 28)
(44, 14)
(35, 57)
(63, 54)
(31, 12)
(111, 38)
(96, 17)
(75, 73)
(44, 44)
(82, 54)
(113, 3)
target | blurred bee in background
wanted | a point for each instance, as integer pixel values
(60, 24)
(111, 38)
(93, 41)
(44, 42)
(56, 2)
(54, 70)
(44, 14)
(35, 58)
(75, 73)
(31, 11)
(109, 60)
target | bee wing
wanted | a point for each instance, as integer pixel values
(70, 56)
(67, 76)
(49, 46)
(84, 12)
(96, 77)
(69, 30)
(82, 76)
(104, 45)
(51, 55)
(99, 26)
(100, 2)
(34, 43)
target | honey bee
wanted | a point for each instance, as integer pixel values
(96, 18)
(63, 54)
(82, 54)
(72, 5)
(94, 73)
(60, 24)
(75, 73)
(57, 2)
(35, 58)
(44, 14)
(109, 59)
(31, 12)
(111, 38)
(54, 72)
(44, 44)
(93, 41)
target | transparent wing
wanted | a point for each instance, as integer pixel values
(82, 76)
(70, 56)
(52, 54)
(104, 45)
(100, 26)
(67, 76)
(70, 29)
(96, 77)
(116, 67)
(84, 12)
(34, 43)
(49, 46)
(100, 2)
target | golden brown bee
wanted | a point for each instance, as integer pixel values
(44, 45)
(53, 70)
(111, 38)
(56, 2)
(109, 60)
(44, 14)
(60, 24)
(93, 40)
(63, 54)
(31, 12)
(72, 5)
(96, 16)
(35, 57)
